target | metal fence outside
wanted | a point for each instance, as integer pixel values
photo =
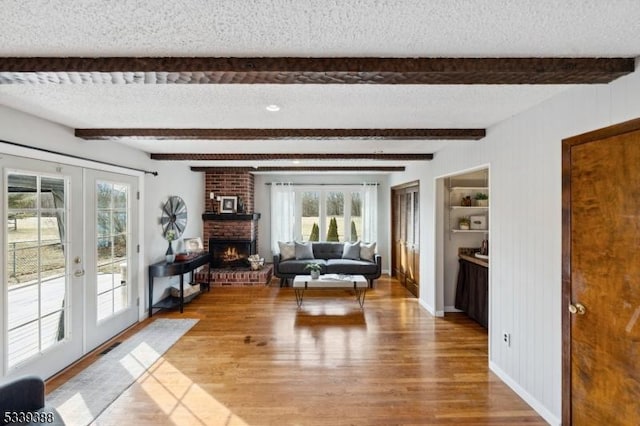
(26, 258)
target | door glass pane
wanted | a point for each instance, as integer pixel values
(335, 216)
(409, 217)
(36, 264)
(310, 222)
(112, 248)
(416, 217)
(356, 216)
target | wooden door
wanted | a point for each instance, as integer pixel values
(405, 235)
(601, 277)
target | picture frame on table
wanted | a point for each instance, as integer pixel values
(228, 204)
(193, 245)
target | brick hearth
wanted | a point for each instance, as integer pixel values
(238, 277)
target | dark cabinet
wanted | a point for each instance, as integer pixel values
(472, 291)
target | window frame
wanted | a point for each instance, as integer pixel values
(323, 190)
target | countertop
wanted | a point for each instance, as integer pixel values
(473, 259)
(466, 253)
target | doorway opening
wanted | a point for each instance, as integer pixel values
(462, 254)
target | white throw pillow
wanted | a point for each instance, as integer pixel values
(367, 251)
(304, 250)
(287, 250)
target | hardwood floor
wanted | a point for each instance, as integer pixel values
(255, 359)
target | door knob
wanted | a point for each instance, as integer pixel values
(577, 309)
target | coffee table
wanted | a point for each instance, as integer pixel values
(331, 281)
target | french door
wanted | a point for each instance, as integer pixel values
(111, 255)
(51, 279)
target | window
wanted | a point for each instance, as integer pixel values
(310, 217)
(329, 213)
(36, 263)
(112, 214)
(334, 217)
(355, 231)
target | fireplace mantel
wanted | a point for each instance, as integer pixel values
(230, 216)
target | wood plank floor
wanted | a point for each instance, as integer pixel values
(255, 359)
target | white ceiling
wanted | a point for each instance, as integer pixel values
(304, 28)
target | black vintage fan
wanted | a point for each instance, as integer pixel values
(174, 217)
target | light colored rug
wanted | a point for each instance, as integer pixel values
(85, 396)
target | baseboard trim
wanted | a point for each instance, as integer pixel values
(451, 309)
(426, 307)
(528, 398)
(429, 309)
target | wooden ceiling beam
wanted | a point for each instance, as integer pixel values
(291, 157)
(301, 169)
(280, 134)
(297, 70)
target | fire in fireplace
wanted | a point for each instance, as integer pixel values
(231, 253)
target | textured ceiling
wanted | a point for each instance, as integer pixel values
(446, 28)
(320, 28)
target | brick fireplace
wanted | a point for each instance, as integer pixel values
(228, 254)
(232, 237)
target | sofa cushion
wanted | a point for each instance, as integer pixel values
(351, 251)
(348, 266)
(328, 250)
(304, 250)
(297, 266)
(367, 251)
(287, 250)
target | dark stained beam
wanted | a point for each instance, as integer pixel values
(276, 134)
(271, 157)
(295, 70)
(300, 169)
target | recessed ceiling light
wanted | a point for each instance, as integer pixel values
(273, 108)
(296, 161)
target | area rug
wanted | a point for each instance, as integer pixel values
(82, 399)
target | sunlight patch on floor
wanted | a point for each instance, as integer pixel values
(183, 401)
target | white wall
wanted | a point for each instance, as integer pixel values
(174, 178)
(263, 206)
(524, 154)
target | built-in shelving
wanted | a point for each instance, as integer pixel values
(457, 210)
(470, 207)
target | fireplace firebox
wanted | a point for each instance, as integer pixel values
(231, 253)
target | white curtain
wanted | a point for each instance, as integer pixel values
(370, 212)
(283, 214)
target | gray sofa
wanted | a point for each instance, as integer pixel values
(329, 256)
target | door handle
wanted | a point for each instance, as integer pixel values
(577, 309)
(78, 273)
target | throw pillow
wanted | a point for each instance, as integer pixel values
(287, 250)
(351, 251)
(304, 251)
(367, 251)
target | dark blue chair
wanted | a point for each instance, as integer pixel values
(22, 403)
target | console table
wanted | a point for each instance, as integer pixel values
(167, 269)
